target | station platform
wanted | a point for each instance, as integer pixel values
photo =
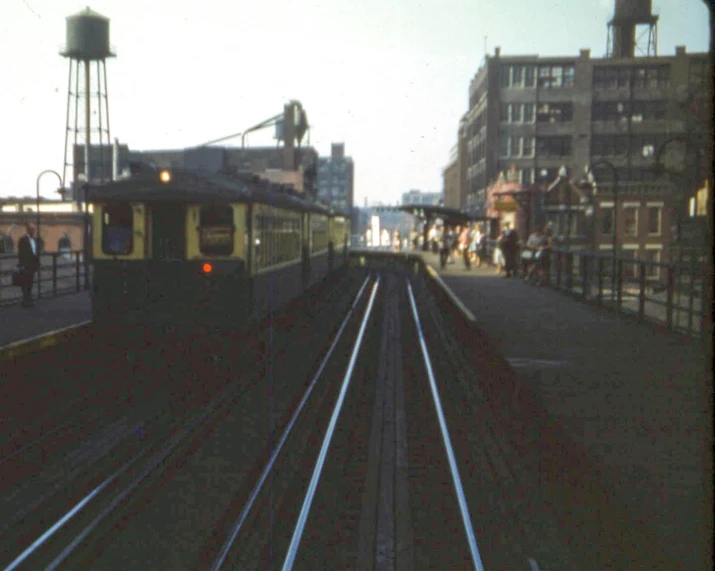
(18, 323)
(635, 397)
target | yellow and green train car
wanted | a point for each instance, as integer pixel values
(181, 249)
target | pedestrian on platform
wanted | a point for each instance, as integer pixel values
(482, 255)
(464, 244)
(510, 248)
(498, 257)
(28, 263)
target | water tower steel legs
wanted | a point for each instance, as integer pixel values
(67, 125)
(87, 118)
(83, 133)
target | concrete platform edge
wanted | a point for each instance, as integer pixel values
(34, 344)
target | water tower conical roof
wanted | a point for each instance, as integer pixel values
(88, 13)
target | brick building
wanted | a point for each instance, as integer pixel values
(58, 219)
(531, 115)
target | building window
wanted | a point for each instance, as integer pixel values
(651, 77)
(652, 256)
(526, 176)
(514, 146)
(655, 214)
(516, 77)
(529, 76)
(554, 76)
(504, 146)
(630, 269)
(599, 78)
(630, 223)
(569, 75)
(505, 76)
(559, 146)
(607, 220)
(504, 113)
(528, 147)
(529, 112)
(609, 145)
(554, 112)
(515, 113)
(615, 77)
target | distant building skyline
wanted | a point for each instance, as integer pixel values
(335, 181)
(415, 196)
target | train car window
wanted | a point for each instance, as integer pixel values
(118, 229)
(216, 230)
(277, 237)
(319, 233)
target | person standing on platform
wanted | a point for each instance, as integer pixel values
(510, 249)
(28, 263)
(464, 243)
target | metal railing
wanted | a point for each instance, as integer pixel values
(669, 294)
(60, 273)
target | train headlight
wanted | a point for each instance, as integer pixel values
(165, 176)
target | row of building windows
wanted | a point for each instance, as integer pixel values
(604, 175)
(532, 175)
(611, 77)
(637, 111)
(477, 125)
(517, 146)
(654, 220)
(547, 76)
(514, 146)
(562, 112)
(639, 77)
(530, 112)
(643, 145)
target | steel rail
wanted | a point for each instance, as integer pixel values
(71, 513)
(25, 447)
(155, 461)
(308, 500)
(457, 481)
(269, 466)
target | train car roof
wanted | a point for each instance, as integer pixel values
(200, 188)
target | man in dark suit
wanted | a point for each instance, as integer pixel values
(28, 262)
(510, 248)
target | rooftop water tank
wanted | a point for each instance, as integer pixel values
(638, 11)
(87, 36)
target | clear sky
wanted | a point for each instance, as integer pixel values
(389, 78)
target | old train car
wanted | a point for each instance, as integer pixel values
(175, 248)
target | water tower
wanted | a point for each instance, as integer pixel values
(87, 101)
(632, 28)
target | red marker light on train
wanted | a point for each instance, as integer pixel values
(208, 268)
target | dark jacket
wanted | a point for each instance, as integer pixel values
(26, 259)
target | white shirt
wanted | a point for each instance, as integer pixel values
(32, 244)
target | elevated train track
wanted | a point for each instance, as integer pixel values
(350, 429)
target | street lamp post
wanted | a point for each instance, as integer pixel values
(37, 219)
(615, 215)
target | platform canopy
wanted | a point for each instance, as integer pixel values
(451, 216)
